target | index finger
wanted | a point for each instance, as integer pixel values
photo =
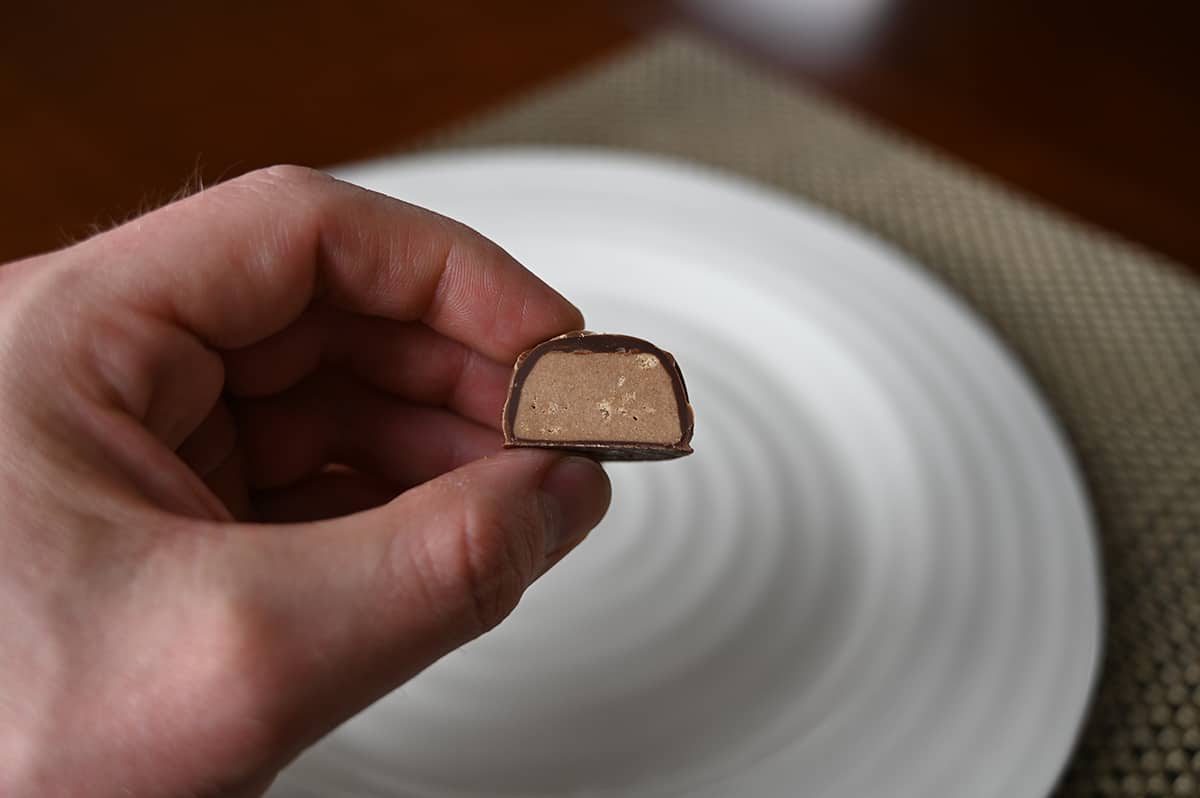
(240, 261)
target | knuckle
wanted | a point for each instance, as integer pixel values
(496, 561)
(307, 191)
(290, 175)
(482, 569)
(240, 678)
(43, 351)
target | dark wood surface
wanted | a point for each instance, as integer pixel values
(106, 108)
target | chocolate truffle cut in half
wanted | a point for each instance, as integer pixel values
(611, 397)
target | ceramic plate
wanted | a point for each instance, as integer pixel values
(877, 575)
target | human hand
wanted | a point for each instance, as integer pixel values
(281, 348)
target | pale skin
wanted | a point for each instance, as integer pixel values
(251, 480)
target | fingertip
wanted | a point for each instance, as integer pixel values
(571, 317)
(575, 319)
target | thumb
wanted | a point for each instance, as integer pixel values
(352, 607)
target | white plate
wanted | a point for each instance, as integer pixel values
(876, 576)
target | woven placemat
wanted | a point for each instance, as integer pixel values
(1110, 331)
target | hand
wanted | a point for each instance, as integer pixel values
(281, 348)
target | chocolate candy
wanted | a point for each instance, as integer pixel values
(611, 397)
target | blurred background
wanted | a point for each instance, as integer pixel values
(109, 107)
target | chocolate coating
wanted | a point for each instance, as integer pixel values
(654, 438)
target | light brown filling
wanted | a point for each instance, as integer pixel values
(598, 396)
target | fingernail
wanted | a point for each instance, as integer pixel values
(575, 497)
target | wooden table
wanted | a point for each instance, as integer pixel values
(109, 107)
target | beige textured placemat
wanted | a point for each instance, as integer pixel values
(1111, 332)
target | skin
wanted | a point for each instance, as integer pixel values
(251, 480)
